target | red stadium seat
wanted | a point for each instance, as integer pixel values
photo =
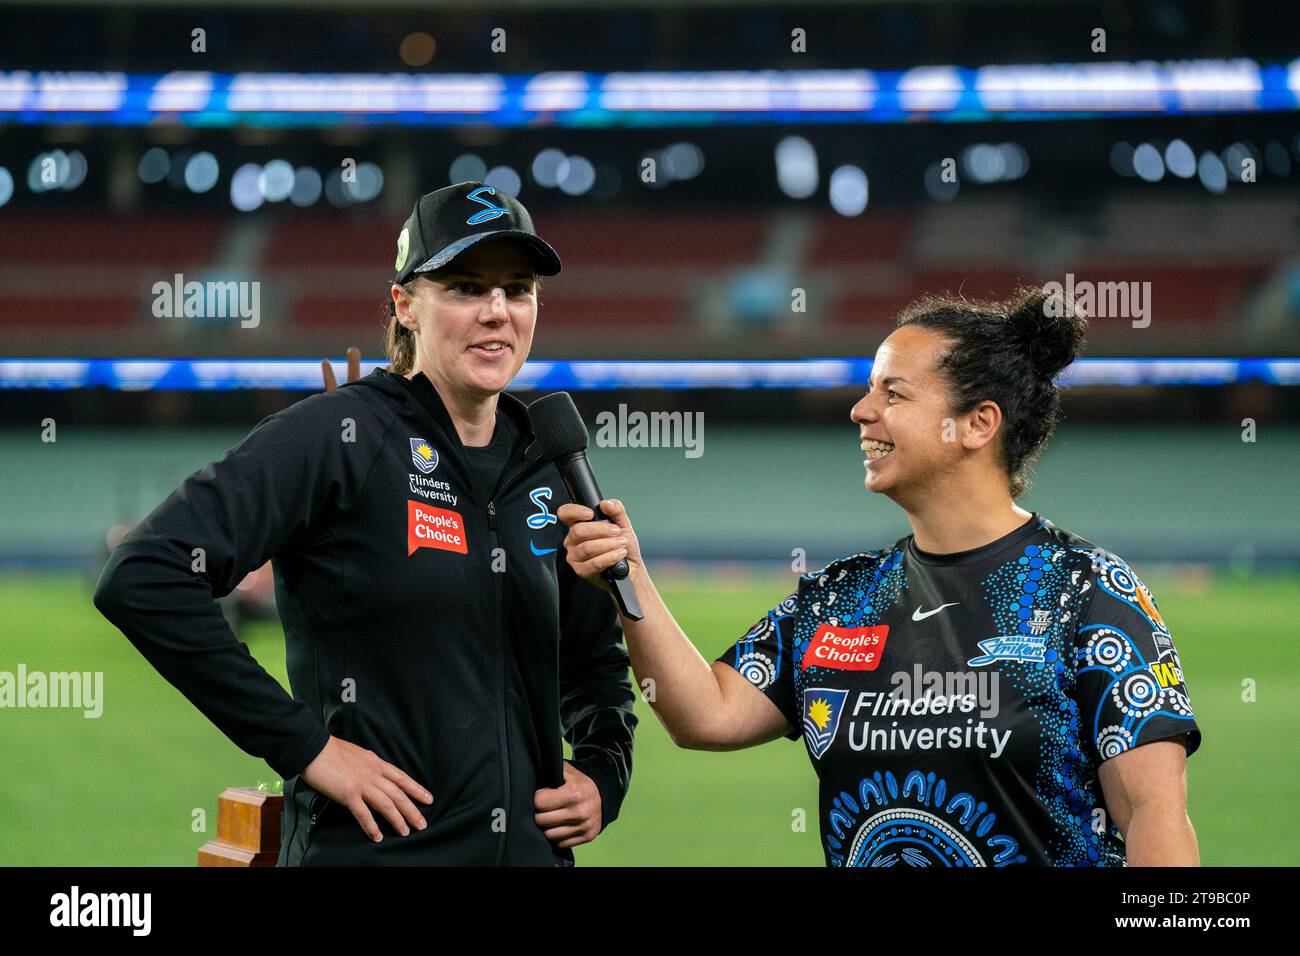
(655, 272)
(857, 308)
(324, 239)
(873, 236)
(353, 312)
(706, 238)
(155, 241)
(35, 313)
(613, 311)
(971, 283)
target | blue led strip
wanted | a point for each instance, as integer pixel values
(690, 98)
(219, 374)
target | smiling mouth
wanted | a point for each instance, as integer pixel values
(492, 349)
(876, 450)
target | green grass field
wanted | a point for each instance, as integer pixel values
(125, 788)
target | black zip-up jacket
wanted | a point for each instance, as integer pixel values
(410, 598)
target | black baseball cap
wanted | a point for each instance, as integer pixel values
(447, 221)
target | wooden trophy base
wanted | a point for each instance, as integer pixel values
(248, 829)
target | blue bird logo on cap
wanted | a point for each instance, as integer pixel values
(488, 214)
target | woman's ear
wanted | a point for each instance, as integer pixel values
(982, 424)
(402, 301)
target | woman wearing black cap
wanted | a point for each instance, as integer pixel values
(436, 638)
(989, 691)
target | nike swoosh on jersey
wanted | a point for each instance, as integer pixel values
(918, 616)
(532, 547)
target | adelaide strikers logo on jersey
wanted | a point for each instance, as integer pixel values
(1010, 647)
(822, 708)
(423, 455)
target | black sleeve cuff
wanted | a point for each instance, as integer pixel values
(301, 759)
(609, 781)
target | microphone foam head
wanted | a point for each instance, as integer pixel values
(557, 425)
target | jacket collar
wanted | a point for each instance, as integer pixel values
(419, 388)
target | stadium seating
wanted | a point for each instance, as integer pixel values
(661, 276)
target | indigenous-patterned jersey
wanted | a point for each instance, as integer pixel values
(956, 707)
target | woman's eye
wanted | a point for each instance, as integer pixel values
(891, 393)
(471, 288)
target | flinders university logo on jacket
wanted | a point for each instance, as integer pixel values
(822, 707)
(423, 455)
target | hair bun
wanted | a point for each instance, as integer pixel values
(1047, 328)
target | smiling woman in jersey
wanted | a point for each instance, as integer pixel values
(991, 690)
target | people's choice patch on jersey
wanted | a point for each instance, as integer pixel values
(429, 527)
(822, 708)
(846, 648)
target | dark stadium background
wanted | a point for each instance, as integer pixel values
(688, 269)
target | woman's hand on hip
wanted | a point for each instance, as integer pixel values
(570, 814)
(360, 780)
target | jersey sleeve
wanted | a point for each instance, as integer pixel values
(597, 717)
(161, 583)
(763, 656)
(1130, 684)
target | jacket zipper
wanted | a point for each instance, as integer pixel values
(503, 648)
(443, 421)
(503, 735)
(315, 814)
(309, 840)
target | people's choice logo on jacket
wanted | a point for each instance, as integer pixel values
(429, 527)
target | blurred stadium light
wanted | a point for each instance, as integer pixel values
(305, 375)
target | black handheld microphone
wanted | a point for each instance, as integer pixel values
(563, 439)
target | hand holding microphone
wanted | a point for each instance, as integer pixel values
(598, 544)
(600, 552)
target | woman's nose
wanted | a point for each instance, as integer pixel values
(863, 412)
(497, 305)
